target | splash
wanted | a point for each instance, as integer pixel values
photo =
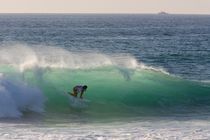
(17, 97)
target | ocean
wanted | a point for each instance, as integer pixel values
(148, 76)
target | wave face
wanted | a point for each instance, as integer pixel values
(35, 80)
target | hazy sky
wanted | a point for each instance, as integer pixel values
(105, 6)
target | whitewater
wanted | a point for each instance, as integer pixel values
(155, 92)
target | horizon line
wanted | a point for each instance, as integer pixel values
(158, 13)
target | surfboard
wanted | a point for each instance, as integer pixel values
(77, 102)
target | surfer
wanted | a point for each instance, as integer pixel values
(79, 89)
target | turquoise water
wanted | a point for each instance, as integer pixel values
(118, 92)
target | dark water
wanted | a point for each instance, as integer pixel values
(178, 43)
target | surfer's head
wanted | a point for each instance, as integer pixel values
(85, 87)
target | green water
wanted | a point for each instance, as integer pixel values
(114, 92)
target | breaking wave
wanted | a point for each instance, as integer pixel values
(118, 84)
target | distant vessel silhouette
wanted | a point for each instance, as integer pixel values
(162, 13)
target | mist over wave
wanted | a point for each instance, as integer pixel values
(24, 57)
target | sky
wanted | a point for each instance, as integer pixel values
(105, 6)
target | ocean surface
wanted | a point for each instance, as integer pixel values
(148, 76)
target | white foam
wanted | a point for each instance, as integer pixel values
(145, 130)
(206, 81)
(17, 97)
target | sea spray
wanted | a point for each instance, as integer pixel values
(17, 97)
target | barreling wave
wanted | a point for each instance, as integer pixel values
(118, 84)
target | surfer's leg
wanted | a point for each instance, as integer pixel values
(81, 94)
(74, 93)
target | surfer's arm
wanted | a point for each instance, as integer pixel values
(81, 94)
